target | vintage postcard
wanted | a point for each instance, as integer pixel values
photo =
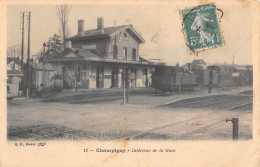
(130, 83)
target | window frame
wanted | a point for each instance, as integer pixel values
(115, 51)
(134, 54)
(125, 53)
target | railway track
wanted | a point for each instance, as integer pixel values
(184, 134)
(240, 106)
(131, 137)
(41, 132)
(54, 133)
(26, 129)
(51, 135)
(195, 102)
(221, 102)
(134, 136)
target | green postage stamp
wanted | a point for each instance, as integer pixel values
(201, 28)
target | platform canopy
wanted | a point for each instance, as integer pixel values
(69, 55)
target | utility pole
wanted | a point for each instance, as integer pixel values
(127, 86)
(22, 80)
(22, 42)
(77, 52)
(28, 56)
(124, 85)
(43, 68)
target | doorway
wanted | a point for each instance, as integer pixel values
(100, 77)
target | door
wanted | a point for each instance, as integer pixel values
(84, 80)
(114, 77)
(100, 76)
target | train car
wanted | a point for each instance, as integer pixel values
(212, 75)
(226, 76)
(170, 78)
(242, 75)
(186, 81)
(200, 75)
(163, 78)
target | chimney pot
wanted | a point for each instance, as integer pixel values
(81, 27)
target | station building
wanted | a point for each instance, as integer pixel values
(103, 58)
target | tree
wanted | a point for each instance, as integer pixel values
(54, 45)
(14, 51)
(63, 14)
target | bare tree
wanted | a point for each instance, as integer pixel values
(14, 51)
(63, 14)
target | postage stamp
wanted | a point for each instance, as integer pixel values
(201, 28)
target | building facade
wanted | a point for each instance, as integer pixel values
(103, 58)
(14, 77)
(39, 76)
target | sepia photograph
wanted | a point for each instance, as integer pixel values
(74, 75)
(130, 72)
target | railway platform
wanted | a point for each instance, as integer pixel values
(141, 119)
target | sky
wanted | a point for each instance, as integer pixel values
(147, 20)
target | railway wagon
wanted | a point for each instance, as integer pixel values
(169, 79)
(212, 74)
(186, 81)
(226, 76)
(163, 78)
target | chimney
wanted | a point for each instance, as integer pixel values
(80, 27)
(100, 25)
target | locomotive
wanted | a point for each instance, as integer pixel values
(173, 78)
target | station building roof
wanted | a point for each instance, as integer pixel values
(69, 55)
(108, 32)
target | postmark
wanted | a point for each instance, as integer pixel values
(201, 28)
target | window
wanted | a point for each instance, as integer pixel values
(134, 54)
(9, 80)
(114, 51)
(124, 53)
(125, 35)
